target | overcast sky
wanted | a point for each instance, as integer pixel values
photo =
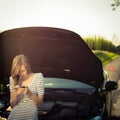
(86, 17)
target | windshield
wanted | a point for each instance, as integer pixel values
(60, 83)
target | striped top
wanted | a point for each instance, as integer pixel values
(26, 109)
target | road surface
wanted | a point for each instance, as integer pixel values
(113, 69)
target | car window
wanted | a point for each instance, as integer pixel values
(60, 83)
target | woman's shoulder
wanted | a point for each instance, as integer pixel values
(38, 75)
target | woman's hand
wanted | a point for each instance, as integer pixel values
(20, 89)
(17, 94)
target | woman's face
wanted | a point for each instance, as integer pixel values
(23, 72)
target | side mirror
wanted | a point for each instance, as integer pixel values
(111, 85)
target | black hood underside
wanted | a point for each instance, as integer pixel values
(54, 52)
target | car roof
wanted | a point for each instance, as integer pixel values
(55, 52)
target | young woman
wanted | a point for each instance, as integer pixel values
(26, 90)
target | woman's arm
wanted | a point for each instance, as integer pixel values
(14, 95)
(13, 98)
(38, 99)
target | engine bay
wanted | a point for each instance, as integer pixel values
(58, 106)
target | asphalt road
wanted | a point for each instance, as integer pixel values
(113, 69)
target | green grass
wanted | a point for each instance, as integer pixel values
(105, 56)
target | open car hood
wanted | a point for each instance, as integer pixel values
(54, 52)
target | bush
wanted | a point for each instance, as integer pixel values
(100, 43)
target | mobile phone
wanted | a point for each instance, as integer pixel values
(23, 86)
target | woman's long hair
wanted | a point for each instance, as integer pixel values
(17, 62)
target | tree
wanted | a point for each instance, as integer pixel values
(116, 4)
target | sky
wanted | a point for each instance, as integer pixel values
(85, 17)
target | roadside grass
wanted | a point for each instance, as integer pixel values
(105, 56)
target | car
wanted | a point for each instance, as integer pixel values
(74, 79)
